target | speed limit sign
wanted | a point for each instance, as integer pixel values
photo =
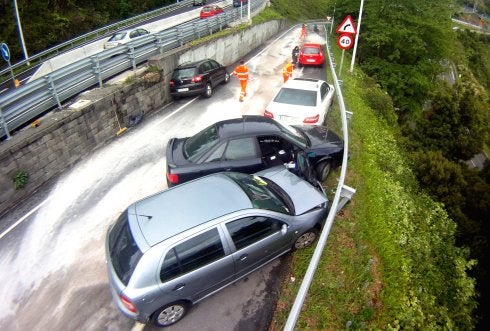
(345, 41)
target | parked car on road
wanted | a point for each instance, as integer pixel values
(301, 101)
(198, 2)
(200, 77)
(311, 55)
(177, 247)
(210, 10)
(238, 3)
(250, 144)
(125, 36)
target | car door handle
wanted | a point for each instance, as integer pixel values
(243, 257)
(178, 287)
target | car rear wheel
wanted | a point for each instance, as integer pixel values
(169, 314)
(306, 239)
(323, 170)
(208, 91)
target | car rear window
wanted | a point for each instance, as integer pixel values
(311, 50)
(296, 97)
(118, 36)
(184, 73)
(198, 144)
(123, 250)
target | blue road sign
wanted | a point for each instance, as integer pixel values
(4, 49)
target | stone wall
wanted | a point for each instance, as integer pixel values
(65, 137)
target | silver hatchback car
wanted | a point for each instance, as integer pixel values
(177, 247)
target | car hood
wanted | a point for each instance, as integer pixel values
(304, 196)
(320, 136)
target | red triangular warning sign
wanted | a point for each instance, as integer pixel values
(347, 26)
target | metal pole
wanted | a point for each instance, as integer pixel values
(20, 31)
(4, 124)
(248, 10)
(357, 38)
(341, 62)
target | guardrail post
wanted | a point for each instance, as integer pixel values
(345, 196)
(196, 30)
(132, 56)
(4, 124)
(95, 60)
(53, 92)
(180, 36)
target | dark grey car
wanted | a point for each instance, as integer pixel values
(177, 247)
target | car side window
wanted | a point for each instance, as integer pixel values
(217, 154)
(205, 67)
(134, 34)
(271, 145)
(240, 149)
(214, 64)
(324, 90)
(192, 254)
(246, 231)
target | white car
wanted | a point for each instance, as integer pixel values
(124, 36)
(301, 101)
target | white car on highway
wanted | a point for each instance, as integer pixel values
(301, 101)
(125, 36)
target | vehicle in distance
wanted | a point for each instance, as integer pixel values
(238, 3)
(301, 101)
(177, 247)
(250, 144)
(210, 10)
(198, 2)
(311, 55)
(124, 37)
(199, 77)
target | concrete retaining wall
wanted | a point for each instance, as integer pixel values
(65, 137)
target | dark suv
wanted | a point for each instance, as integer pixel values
(197, 78)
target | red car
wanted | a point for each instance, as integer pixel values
(311, 54)
(208, 11)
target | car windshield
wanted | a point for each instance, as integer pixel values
(123, 250)
(198, 144)
(295, 135)
(311, 50)
(296, 97)
(118, 36)
(263, 193)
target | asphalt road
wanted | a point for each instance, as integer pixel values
(53, 272)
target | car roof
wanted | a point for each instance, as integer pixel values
(304, 83)
(249, 124)
(165, 214)
(191, 64)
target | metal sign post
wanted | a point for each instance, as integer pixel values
(4, 49)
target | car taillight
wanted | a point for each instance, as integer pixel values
(312, 119)
(268, 114)
(196, 79)
(173, 178)
(172, 83)
(127, 303)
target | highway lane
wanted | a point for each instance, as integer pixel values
(53, 270)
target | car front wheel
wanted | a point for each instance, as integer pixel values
(208, 91)
(323, 170)
(169, 314)
(306, 239)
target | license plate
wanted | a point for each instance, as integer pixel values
(310, 60)
(183, 89)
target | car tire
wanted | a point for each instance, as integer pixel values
(169, 314)
(208, 90)
(306, 239)
(323, 170)
(227, 78)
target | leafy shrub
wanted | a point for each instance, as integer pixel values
(20, 179)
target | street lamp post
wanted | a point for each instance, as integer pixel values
(20, 31)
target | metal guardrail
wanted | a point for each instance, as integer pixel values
(27, 102)
(343, 194)
(105, 31)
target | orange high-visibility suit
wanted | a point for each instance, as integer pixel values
(242, 73)
(287, 72)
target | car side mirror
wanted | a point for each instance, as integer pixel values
(284, 229)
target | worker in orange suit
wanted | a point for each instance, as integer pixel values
(287, 71)
(241, 72)
(303, 32)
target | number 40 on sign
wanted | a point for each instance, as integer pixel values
(345, 41)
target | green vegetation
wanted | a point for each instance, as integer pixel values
(20, 179)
